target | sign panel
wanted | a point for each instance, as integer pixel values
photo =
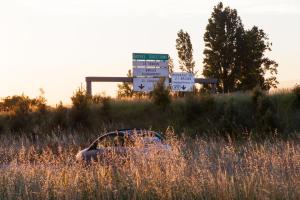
(149, 56)
(183, 82)
(144, 63)
(154, 72)
(146, 84)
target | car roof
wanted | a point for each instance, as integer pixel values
(122, 132)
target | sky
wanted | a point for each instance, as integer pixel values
(55, 44)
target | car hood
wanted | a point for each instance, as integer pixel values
(79, 155)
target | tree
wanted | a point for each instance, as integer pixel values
(253, 64)
(185, 52)
(80, 111)
(221, 47)
(235, 56)
(170, 65)
(125, 89)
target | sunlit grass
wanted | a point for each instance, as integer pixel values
(195, 168)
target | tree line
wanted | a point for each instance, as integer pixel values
(234, 55)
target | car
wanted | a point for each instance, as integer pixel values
(120, 143)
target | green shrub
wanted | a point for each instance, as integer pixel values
(60, 117)
(197, 108)
(256, 94)
(161, 95)
(265, 116)
(21, 107)
(105, 110)
(228, 119)
(80, 111)
(96, 99)
(2, 124)
(23, 112)
(192, 108)
(296, 91)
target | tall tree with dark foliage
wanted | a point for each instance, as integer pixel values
(235, 56)
(185, 52)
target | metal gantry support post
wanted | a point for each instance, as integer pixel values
(89, 87)
(213, 88)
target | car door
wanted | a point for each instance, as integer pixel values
(111, 147)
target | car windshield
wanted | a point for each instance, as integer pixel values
(110, 141)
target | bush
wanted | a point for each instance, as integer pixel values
(256, 94)
(296, 91)
(23, 112)
(2, 124)
(80, 111)
(192, 108)
(264, 112)
(161, 95)
(228, 120)
(265, 116)
(20, 108)
(41, 114)
(105, 110)
(60, 116)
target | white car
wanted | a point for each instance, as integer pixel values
(119, 143)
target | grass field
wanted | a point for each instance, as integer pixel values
(44, 168)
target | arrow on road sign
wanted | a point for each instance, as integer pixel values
(183, 87)
(141, 86)
(146, 84)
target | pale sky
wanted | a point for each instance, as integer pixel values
(55, 44)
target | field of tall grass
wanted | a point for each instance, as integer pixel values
(196, 168)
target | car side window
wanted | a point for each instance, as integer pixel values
(111, 141)
(128, 141)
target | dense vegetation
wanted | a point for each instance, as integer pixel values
(241, 115)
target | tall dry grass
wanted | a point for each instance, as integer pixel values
(194, 169)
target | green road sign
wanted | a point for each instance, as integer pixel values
(149, 56)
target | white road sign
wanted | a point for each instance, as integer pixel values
(154, 72)
(146, 84)
(183, 82)
(147, 63)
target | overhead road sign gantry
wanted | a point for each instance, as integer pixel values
(90, 79)
(149, 56)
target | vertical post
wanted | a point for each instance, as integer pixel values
(213, 88)
(89, 87)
